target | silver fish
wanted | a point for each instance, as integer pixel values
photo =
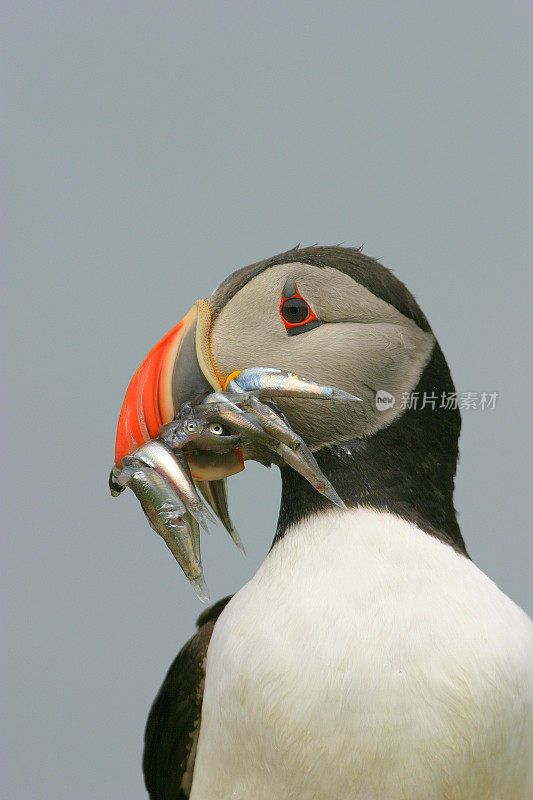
(199, 585)
(215, 440)
(159, 474)
(166, 515)
(264, 429)
(271, 422)
(292, 448)
(311, 472)
(218, 406)
(174, 468)
(267, 382)
(180, 432)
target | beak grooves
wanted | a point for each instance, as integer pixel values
(148, 403)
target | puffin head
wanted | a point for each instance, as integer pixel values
(338, 317)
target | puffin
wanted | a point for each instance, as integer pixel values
(368, 658)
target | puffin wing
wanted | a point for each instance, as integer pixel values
(173, 724)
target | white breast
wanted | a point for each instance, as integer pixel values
(366, 660)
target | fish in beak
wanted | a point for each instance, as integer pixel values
(184, 428)
(149, 455)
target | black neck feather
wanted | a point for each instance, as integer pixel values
(407, 468)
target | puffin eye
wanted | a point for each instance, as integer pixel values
(295, 310)
(296, 313)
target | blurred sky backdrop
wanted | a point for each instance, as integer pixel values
(149, 149)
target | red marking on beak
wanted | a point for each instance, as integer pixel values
(170, 371)
(148, 403)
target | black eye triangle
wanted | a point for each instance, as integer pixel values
(289, 290)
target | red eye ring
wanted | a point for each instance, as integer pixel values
(296, 314)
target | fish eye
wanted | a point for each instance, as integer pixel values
(216, 428)
(191, 426)
(295, 310)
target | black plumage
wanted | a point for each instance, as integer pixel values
(174, 721)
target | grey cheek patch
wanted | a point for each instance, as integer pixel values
(374, 347)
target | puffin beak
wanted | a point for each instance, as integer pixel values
(178, 370)
(165, 467)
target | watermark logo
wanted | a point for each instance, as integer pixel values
(464, 401)
(384, 400)
(418, 401)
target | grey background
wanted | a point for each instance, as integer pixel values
(149, 150)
